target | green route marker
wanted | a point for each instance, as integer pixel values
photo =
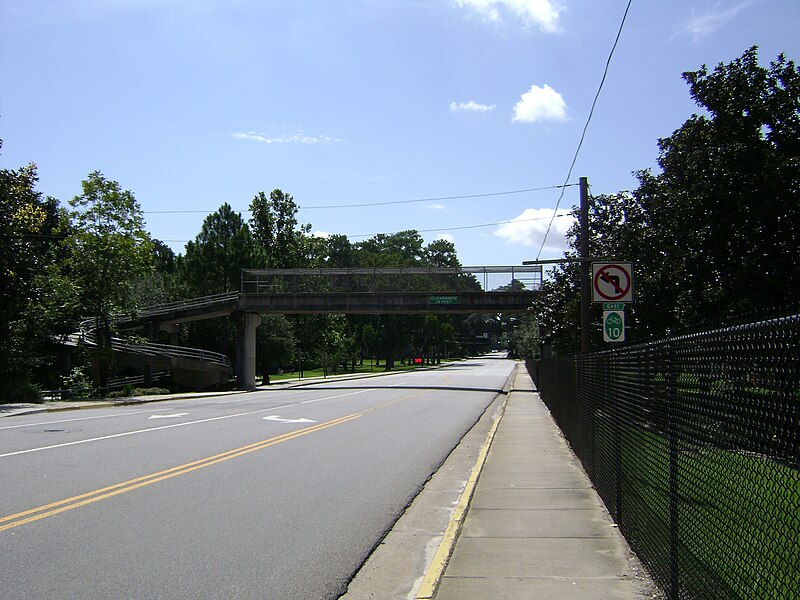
(613, 326)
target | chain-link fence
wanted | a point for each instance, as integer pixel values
(693, 443)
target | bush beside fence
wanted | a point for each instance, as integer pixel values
(692, 442)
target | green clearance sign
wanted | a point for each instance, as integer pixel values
(444, 300)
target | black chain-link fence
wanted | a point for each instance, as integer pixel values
(693, 443)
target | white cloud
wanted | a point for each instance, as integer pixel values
(471, 106)
(434, 206)
(529, 228)
(448, 237)
(295, 138)
(540, 104)
(714, 18)
(321, 234)
(542, 13)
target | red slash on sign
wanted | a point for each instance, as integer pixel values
(612, 282)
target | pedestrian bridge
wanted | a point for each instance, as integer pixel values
(407, 290)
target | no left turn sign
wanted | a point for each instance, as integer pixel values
(612, 282)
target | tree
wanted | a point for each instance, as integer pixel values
(109, 249)
(524, 341)
(441, 253)
(215, 259)
(340, 252)
(160, 285)
(714, 234)
(723, 212)
(36, 299)
(274, 225)
(275, 344)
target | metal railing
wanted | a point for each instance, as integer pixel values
(87, 336)
(168, 308)
(693, 443)
(379, 279)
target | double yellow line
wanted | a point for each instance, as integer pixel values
(55, 508)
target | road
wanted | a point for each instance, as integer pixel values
(277, 493)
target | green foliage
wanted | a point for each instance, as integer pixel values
(78, 384)
(129, 391)
(524, 341)
(275, 228)
(722, 215)
(36, 301)
(109, 249)
(214, 260)
(19, 391)
(714, 234)
(159, 286)
(275, 344)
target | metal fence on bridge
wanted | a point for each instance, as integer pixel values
(693, 444)
(378, 280)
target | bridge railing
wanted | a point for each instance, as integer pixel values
(88, 336)
(201, 303)
(377, 279)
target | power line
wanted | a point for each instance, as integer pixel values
(495, 224)
(462, 227)
(386, 203)
(588, 120)
(441, 198)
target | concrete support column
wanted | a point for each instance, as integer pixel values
(174, 331)
(246, 324)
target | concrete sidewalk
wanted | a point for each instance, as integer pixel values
(509, 515)
(535, 527)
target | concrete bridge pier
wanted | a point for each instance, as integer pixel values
(246, 324)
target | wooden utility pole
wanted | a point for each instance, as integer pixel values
(586, 286)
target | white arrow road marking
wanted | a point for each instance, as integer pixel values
(282, 420)
(172, 416)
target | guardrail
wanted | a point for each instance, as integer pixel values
(151, 349)
(88, 336)
(181, 305)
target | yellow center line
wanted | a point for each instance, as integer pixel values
(54, 508)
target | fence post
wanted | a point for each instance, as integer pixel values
(616, 428)
(673, 591)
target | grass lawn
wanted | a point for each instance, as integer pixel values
(737, 513)
(368, 367)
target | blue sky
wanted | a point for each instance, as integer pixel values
(192, 103)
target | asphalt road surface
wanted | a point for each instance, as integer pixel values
(277, 493)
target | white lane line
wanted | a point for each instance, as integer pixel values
(169, 416)
(338, 396)
(138, 412)
(273, 395)
(171, 426)
(138, 431)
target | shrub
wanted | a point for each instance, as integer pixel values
(24, 392)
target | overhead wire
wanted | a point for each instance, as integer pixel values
(459, 228)
(586, 126)
(388, 202)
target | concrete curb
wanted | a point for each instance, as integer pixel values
(8, 410)
(433, 575)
